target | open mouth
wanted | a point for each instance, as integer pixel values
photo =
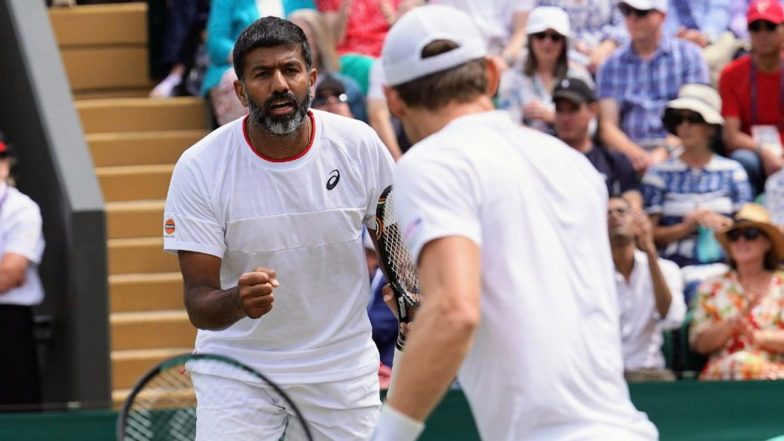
(281, 107)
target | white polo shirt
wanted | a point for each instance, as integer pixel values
(20, 233)
(641, 324)
(301, 217)
(546, 361)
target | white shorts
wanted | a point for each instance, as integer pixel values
(229, 409)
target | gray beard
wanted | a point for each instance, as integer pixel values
(286, 126)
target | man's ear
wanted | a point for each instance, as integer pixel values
(394, 102)
(493, 74)
(239, 90)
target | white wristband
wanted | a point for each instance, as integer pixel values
(394, 426)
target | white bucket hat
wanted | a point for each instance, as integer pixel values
(645, 5)
(699, 98)
(543, 18)
(401, 56)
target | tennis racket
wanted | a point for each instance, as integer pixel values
(162, 405)
(396, 260)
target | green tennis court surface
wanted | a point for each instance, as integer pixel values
(683, 411)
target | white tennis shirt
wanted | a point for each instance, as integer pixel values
(303, 218)
(546, 362)
(20, 233)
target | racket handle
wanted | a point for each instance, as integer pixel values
(402, 310)
(400, 344)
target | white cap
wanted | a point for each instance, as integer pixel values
(644, 5)
(548, 17)
(402, 52)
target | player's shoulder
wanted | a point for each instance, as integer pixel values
(214, 145)
(737, 67)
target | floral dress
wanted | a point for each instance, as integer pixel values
(722, 298)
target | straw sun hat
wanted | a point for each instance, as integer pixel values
(755, 216)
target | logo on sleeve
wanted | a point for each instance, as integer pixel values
(334, 177)
(168, 227)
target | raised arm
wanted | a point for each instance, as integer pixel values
(212, 308)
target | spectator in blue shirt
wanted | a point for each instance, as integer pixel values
(696, 192)
(639, 79)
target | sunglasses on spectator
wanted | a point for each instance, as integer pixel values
(322, 99)
(553, 36)
(627, 10)
(762, 25)
(747, 233)
(690, 117)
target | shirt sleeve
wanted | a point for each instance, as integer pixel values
(627, 177)
(677, 311)
(23, 233)
(435, 198)
(695, 69)
(606, 79)
(190, 222)
(379, 169)
(741, 188)
(730, 102)
(220, 41)
(653, 191)
(774, 197)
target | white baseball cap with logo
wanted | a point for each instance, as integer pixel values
(401, 56)
(646, 5)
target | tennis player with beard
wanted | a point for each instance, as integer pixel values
(266, 216)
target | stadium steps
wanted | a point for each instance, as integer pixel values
(129, 219)
(141, 114)
(140, 292)
(103, 47)
(134, 182)
(134, 141)
(141, 148)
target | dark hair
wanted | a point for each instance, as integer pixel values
(269, 32)
(561, 66)
(462, 83)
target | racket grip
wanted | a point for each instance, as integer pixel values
(400, 344)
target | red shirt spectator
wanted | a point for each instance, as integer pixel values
(735, 90)
(366, 23)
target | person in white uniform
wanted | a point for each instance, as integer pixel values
(508, 230)
(21, 250)
(650, 292)
(266, 216)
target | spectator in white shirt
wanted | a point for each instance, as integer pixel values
(650, 292)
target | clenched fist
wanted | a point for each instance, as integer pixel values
(255, 291)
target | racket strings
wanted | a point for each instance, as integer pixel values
(397, 252)
(164, 407)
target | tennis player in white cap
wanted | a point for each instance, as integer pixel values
(508, 230)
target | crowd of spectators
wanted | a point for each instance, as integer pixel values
(677, 103)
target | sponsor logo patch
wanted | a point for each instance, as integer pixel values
(168, 227)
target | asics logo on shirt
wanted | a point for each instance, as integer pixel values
(334, 177)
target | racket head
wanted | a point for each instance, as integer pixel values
(394, 256)
(162, 404)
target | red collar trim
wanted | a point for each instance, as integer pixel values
(292, 158)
